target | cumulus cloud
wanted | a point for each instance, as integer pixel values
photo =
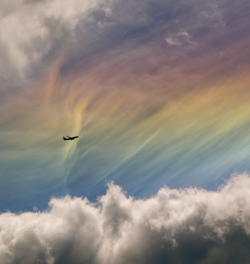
(175, 226)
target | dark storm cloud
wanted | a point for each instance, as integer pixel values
(175, 226)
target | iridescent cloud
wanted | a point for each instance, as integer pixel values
(157, 91)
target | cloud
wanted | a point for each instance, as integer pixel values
(31, 30)
(173, 41)
(175, 226)
(179, 39)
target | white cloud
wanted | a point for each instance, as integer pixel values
(184, 226)
(173, 41)
(30, 29)
(179, 39)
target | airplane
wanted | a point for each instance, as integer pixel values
(70, 138)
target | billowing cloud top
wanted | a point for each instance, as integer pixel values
(175, 226)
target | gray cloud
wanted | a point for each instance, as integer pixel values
(175, 226)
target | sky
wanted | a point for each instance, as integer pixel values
(158, 93)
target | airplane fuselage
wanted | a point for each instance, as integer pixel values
(70, 138)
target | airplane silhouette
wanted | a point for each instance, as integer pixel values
(70, 138)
